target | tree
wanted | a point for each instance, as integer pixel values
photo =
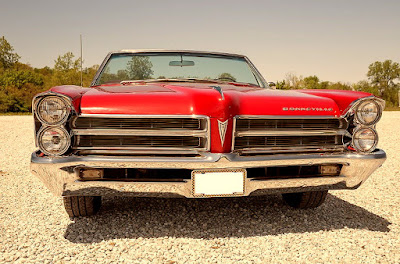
(65, 62)
(313, 82)
(66, 71)
(292, 81)
(18, 79)
(365, 86)
(339, 86)
(139, 68)
(383, 75)
(225, 76)
(7, 56)
(281, 85)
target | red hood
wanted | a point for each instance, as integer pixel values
(203, 99)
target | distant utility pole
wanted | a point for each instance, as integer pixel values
(81, 63)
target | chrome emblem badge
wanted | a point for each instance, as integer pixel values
(320, 109)
(219, 89)
(222, 127)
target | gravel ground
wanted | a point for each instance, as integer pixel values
(350, 227)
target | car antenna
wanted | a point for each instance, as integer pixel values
(81, 62)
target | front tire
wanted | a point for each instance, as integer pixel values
(305, 200)
(77, 206)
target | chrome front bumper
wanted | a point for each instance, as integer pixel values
(60, 176)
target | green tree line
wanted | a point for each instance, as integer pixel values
(383, 80)
(19, 82)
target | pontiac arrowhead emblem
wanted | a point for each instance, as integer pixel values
(222, 127)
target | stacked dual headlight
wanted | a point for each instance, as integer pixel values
(53, 112)
(367, 112)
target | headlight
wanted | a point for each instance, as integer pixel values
(53, 110)
(365, 139)
(368, 112)
(53, 141)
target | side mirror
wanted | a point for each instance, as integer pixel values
(272, 84)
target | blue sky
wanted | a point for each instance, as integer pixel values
(335, 40)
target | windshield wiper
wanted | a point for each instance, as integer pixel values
(170, 80)
(220, 81)
(193, 80)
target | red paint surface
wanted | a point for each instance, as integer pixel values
(341, 97)
(201, 99)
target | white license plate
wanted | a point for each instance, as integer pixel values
(217, 183)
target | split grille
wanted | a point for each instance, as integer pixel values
(263, 135)
(187, 135)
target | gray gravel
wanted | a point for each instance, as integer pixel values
(351, 227)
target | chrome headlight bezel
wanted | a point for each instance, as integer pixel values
(355, 141)
(40, 143)
(353, 107)
(359, 113)
(67, 108)
(352, 114)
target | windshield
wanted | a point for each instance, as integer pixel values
(177, 66)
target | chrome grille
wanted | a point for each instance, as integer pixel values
(140, 123)
(280, 135)
(140, 134)
(261, 124)
(101, 141)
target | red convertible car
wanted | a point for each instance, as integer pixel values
(167, 123)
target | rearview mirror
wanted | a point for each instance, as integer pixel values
(181, 63)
